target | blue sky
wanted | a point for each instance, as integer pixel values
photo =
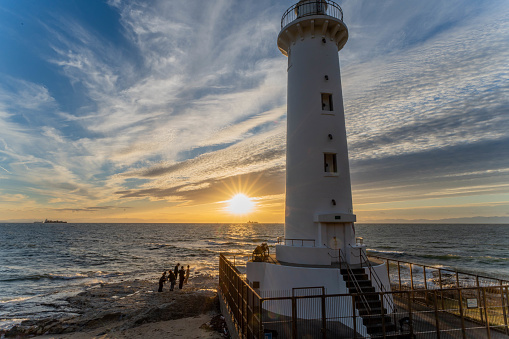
(159, 111)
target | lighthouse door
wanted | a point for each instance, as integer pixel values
(335, 239)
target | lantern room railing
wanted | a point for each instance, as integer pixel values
(312, 7)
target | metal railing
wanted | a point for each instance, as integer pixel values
(351, 275)
(457, 312)
(290, 242)
(242, 302)
(375, 278)
(312, 7)
(407, 275)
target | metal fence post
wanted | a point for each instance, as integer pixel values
(382, 309)
(479, 297)
(460, 301)
(294, 317)
(424, 273)
(505, 306)
(388, 272)
(250, 312)
(425, 285)
(354, 318)
(399, 276)
(437, 322)
(486, 312)
(245, 307)
(411, 277)
(324, 317)
(260, 317)
(410, 313)
(441, 289)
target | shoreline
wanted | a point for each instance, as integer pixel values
(134, 309)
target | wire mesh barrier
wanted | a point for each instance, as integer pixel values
(308, 312)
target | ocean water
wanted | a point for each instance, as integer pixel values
(42, 264)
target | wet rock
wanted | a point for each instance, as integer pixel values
(126, 305)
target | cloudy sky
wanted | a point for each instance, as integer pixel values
(161, 111)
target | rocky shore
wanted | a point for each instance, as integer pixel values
(134, 309)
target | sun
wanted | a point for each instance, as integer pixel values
(240, 204)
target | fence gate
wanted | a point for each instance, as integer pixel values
(308, 320)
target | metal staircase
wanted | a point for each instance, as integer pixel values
(378, 322)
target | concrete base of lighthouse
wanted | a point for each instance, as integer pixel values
(276, 278)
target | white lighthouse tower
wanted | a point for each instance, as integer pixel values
(319, 224)
(319, 212)
(319, 252)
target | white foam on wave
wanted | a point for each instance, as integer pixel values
(12, 300)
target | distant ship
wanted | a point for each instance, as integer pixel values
(252, 222)
(48, 221)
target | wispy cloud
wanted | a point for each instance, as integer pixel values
(193, 89)
(188, 99)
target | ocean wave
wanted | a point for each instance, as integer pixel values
(373, 251)
(442, 256)
(220, 243)
(157, 246)
(51, 276)
(495, 259)
(18, 299)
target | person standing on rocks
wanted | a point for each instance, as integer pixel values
(162, 280)
(176, 271)
(182, 274)
(187, 275)
(173, 278)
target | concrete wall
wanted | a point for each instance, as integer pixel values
(303, 255)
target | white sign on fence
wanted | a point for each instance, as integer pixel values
(472, 303)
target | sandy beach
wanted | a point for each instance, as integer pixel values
(134, 309)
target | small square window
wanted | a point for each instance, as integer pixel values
(330, 163)
(327, 102)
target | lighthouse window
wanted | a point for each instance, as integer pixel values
(330, 163)
(327, 102)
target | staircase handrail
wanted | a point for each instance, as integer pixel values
(356, 283)
(378, 281)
